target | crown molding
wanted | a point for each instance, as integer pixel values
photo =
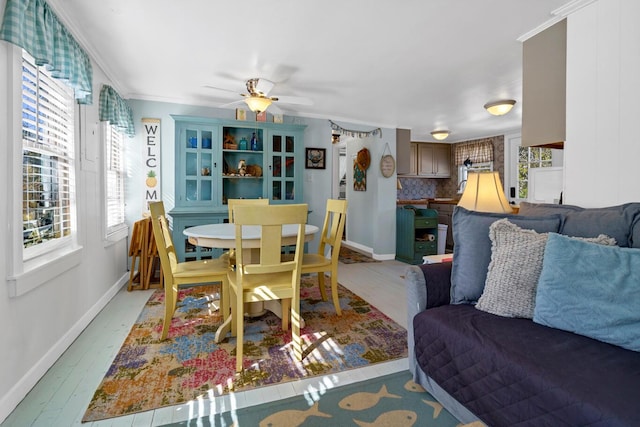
(557, 15)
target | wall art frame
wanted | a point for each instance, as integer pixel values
(315, 158)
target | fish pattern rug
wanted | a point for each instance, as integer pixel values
(148, 373)
(393, 400)
(349, 256)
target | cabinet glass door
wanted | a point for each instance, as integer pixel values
(283, 168)
(198, 186)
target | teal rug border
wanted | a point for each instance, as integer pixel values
(416, 407)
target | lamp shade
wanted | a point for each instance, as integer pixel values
(257, 104)
(484, 193)
(499, 108)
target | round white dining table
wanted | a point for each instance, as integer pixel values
(223, 235)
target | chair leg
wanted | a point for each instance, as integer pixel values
(323, 291)
(224, 299)
(239, 319)
(170, 297)
(296, 340)
(334, 293)
(286, 312)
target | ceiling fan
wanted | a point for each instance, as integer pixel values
(257, 97)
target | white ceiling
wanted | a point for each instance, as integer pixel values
(417, 64)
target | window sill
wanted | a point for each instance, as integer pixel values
(116, 235)
(37, 273)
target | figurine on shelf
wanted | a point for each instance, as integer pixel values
(242, 167)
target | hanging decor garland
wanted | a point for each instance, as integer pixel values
(355, 133)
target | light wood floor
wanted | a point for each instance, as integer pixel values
(61, 397)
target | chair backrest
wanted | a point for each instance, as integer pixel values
(270, 219)
(231, 203)
(164, 243)
(333, 227)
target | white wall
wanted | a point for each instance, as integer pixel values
(38, 326)
(603, 87)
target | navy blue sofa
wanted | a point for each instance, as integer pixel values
(512, 371)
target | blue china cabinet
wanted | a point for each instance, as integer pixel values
(215, 160)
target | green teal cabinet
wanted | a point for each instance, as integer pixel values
(217, 160)
(197, 164)
(416, 234)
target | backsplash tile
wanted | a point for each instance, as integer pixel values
(416, 188)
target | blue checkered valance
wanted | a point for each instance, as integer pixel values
(115, 110)
(32, 25)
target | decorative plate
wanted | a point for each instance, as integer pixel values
(387, 165)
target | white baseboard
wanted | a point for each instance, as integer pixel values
(367, 250)
(11, 400)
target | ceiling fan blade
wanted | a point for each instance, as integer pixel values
(274, 109)
(294, 100)
(232, 104)
(219, 89)
(264, 86)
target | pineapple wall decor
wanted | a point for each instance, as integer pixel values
(151, 158)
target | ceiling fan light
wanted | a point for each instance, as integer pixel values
(257, 104)
(440, 134)
(499, 108)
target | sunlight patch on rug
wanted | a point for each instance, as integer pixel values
(349, 256)
(148, 374)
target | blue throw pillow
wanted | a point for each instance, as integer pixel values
(472, 248)
(591, 290)
(621, 222)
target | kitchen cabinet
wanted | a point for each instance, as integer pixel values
(416, 234)
(218, 160)
(434, 160)
(425, 160)
(405, 153)
(544, 87)
(445, 216)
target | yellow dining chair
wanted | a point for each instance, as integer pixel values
(331, 237)
(272, 278)
(183, 273)
(230, 256)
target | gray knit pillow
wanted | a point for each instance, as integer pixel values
(514, 270)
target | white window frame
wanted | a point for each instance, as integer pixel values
(113, 138)
(512, 143)
(463, 172)
(32, 267)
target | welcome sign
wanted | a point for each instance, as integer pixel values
(151, 161)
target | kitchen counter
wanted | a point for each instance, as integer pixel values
(412, 202)
(444, 200)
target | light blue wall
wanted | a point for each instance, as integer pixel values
(371, 214)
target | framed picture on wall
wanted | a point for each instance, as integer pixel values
(315, 158)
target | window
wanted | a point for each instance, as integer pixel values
(531, 157)
(518, 161)
(48, 178)
(114, 177)
(475, 167)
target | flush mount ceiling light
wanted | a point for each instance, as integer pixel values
(257, 104)
(499, 108)
(440, 134)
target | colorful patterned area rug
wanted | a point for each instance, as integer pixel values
(392, 400)
(148, 374)
(349, 256)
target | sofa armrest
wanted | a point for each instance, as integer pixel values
(427, 286)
